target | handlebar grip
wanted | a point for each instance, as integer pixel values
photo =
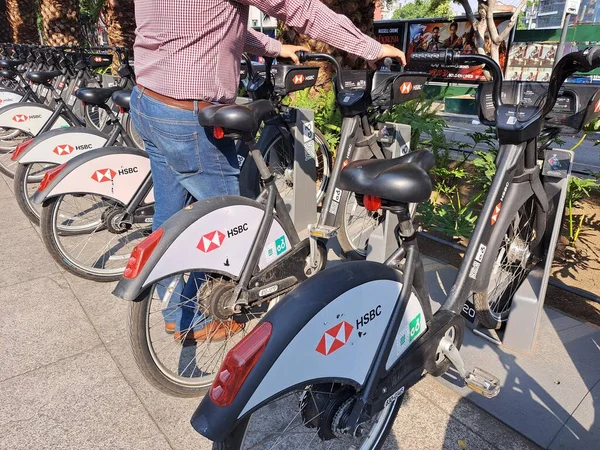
(593, 57)
(302, 55)
(441, 57)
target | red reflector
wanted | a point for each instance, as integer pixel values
(20, 149)
(218, 133)
(121, 110)
(141, 253)
(50, 175)
(238, 363)
(371, 202)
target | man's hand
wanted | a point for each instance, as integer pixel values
(388, 51)
(289, 51)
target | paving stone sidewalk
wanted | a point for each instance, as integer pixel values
(68, 379)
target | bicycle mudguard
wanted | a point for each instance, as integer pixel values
(213, 235)
(59, 146)
(29, 117)
(9, 97)
(327, 329)
(502, 216)
(112, 172)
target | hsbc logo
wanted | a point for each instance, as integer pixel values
(334, 338)
(211, 241)
(20, 118)
(97, 59)
(83, 147)
(63, 150)
(406, 87)
(298, 79)
(104, 175)
(597, 108)
(1, 101)
(128, 171)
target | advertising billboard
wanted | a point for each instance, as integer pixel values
(456, 35)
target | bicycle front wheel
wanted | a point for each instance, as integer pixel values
(513, 263)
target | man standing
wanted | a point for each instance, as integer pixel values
(434, 44)
(187, 56)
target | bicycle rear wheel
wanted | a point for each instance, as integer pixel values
(513, 263)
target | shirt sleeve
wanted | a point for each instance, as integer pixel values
(260, 44)
(316, 20)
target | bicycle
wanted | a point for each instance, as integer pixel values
(332, 360)
(249, 252)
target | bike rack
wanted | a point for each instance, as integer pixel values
(523, 322)
(303, 207)
(395, 141)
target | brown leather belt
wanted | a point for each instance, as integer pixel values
(181, 104)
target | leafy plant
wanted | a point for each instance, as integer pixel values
(579, 188)
(328, 119)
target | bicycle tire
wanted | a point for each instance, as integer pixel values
(132, 132)
(235, 440)
(493, 305)
(21, 180)
(351, 248)
(323, 159)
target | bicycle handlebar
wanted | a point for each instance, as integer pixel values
(449, 57)
(305, 56)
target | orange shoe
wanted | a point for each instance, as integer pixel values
(213, 332)
(170, 327)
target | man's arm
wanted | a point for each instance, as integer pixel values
(316, 20)
(260, 44)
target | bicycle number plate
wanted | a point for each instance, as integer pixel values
(468, 311)
(71, 101)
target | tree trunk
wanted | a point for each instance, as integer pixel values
(22, 17)
(60, 20)
(119, 16)
(5, 26)
(361, 12)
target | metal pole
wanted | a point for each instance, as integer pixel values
(261, 20)
(563, 37)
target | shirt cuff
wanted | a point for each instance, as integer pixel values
(273, 48)
(372, 50)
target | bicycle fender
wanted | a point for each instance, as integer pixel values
(29, 117)
(113, 172)
(59, 146)
(327, 329)
(8, 97)
(500, 220)
(212, 235)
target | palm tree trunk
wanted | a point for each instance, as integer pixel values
(119, 16)
(60, 20)
(22, 18)
(361, 12)
(5, 26)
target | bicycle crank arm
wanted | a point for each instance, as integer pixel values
(476, 379)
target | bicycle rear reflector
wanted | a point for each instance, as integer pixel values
(141, 253)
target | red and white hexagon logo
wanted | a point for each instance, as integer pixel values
(63, 150)
(20, 118)
(334, 338)
(211, 241)
(597, 108)
(298, 79)
(104, 175)
(406, 87)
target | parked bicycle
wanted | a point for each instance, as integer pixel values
(330, 363)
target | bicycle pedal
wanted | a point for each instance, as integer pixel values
(323, 231)
(482, 382)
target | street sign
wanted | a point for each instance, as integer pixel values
(572, 6)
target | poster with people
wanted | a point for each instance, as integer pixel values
(457, 35)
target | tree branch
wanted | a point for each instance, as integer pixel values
(468, 12)
(494, 36)
(513, 19)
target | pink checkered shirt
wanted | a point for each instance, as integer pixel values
(191, 49)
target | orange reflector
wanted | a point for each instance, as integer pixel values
(218, 133)
(238, 363)
(371, 202)
(20, 149)
(141, 253)
(50, 175)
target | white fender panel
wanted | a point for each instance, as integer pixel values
(115, 175)
(219, 241)
(150, 197)
(29, 118)
(63, 147)
(339, 342)
(8, 98)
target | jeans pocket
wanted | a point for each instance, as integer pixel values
(180, 150)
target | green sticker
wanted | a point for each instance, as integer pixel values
(402, 339)
(415, 327)
(280, 245)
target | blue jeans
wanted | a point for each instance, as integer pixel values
(187, 163)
